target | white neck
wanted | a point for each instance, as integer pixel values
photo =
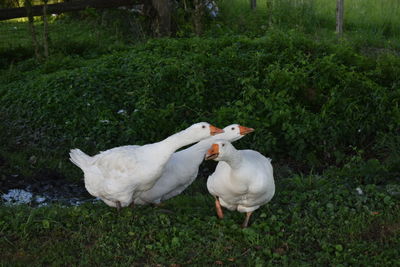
(234, 159)
(196, 152)
(176, 141)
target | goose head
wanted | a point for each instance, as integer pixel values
(234, 132)
(202, 130)
(220, 151)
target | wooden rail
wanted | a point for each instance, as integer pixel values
(37, 10)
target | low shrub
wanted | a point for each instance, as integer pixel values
(312, 103)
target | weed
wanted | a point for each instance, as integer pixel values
(291, 229)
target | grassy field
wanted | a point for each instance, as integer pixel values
(325, 111)
(368, 23)
(89, 37)
(312, 220)
(360, 15)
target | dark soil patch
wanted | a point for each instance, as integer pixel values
(52, 185)
(381, 233)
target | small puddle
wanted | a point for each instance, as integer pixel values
(21, 196)
(42, 191)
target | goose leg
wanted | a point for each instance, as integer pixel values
(246, 220)
(157, 205)
(118, 206)
(132, 205)
(218, 207)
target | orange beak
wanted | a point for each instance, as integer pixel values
(214, 130)
(213, 152)
(245, 130)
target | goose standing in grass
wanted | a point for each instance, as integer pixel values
(117, 176)
(242, 181)
(183, 167)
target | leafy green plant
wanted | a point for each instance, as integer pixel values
(311, 102)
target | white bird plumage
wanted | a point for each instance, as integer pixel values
(242, 181)
(183, 166)
(117, 176)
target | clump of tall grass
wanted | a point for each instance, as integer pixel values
(380, 17)
(369, 18)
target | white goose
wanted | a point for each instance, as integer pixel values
(242, 181)
(119, 175)
(183, 167)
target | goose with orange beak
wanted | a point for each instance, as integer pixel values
(242, 181)
(119, 175)
(213, 152)
(183, 166)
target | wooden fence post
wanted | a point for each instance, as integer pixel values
(45, 31)
(339, 17)
(253, 4)
(269, 11)
(28, 7)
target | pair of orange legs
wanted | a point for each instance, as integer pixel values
(220, 213)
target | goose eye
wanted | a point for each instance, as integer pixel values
(223, 144)
(203, 126)
(233, 128)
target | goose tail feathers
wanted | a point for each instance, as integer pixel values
(80, 159)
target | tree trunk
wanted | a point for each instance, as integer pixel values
(198, 16)
(253, 4)
(339, 17)
(37, 10)
(163, 20)
(45, 31)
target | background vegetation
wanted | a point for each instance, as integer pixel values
(325, 110)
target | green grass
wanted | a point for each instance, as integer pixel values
(359, 14)
(307, 96)
(312, 220)
(368, 23)
(87, 35)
